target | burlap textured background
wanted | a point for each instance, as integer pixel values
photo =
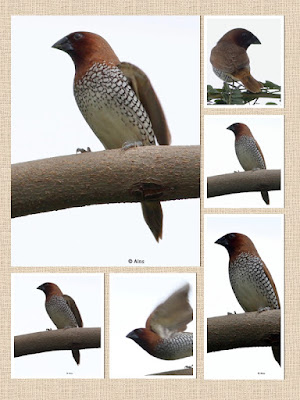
(168, 388)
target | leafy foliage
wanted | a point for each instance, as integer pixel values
(237, 94)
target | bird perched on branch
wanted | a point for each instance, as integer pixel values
(62, 310)
(118, 102)
(230, 60)
(250, 279)
(248, 151)
(164, 335)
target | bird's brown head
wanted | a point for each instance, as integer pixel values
(50, 289)
(241, 37)
(144, 338)
(239, 129)
(236, 243)
(86, 48)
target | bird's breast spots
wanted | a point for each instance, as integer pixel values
(223, 75)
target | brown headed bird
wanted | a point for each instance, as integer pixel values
(248, 151)
(62, 310)
(118, 102)
(250, 279)
(230, 60)
(164, 335)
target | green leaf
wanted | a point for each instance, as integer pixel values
(211, 90)
(272, 85)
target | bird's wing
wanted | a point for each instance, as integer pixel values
(172, 315)
(142, 87)
(259, 149)
(267, 272)
(71, 303)
(229, 58)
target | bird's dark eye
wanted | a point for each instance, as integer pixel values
(78, 36)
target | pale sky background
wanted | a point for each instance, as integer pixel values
(267, 234)
(220, 157)
(30, 316)
(47, 123)
(266, 59)
(132, 299)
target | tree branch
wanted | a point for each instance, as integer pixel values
(111, 176)
(247, 181)
(251, 329)
(185, 371)
(58, 339)
(232, 94)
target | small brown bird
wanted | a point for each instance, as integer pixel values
(62, 310)
(164, 335)
(118, 102)
(250, 279)
(248, 151)
(230, 60)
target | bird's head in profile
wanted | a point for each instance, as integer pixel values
(241, 37)
(86, 46)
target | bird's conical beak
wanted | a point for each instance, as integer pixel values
(63, 44)
(220, 241)
(132, 335)
(255, 40)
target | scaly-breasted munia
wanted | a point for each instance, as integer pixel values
(118, 102)
(164, 335)
(250, 279)
(62, 310)
(230, 60)
(248, 151)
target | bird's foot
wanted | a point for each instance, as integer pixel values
(49, 329)
(188, 366)
(129, 145)
(261, 309)
(79, 150)
(230, 313)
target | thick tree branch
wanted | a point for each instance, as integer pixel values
(247, 181)
(58, 339)
(251, 329)
(185, 371)
(111, 176)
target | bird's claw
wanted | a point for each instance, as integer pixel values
(129, 145)
(80, 150)
(263, 309)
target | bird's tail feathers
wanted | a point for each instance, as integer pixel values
(76, 356)
(249, 82)
(153, 216)
(265, 196)
(276, 353)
